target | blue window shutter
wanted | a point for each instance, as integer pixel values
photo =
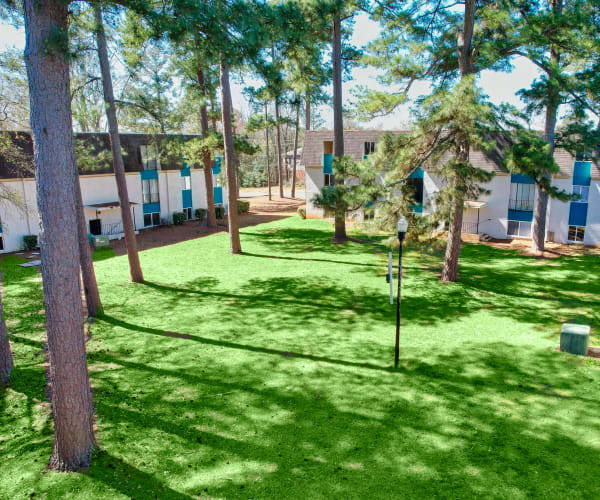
(328, 164)
(218, 194)
(149, 208)
(186, 198)
(520, 215)
(578, 214)
(521, 179)
(582, 173)
(149, 174)
(185, 172)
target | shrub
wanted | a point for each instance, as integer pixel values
(30, 241)
(220, 212)
(178, 218)
(243, 206)
(302, 212)
(200, 214)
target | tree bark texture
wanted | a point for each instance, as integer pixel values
(211, 217)
(230, 162)
(307, 112)
(338, 122)
(295, 150)
(6, 358)
(54, 157)
(465, 63)
(135, 268)
(267, 151)
(279, 153)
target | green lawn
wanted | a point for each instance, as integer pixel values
(268, 375)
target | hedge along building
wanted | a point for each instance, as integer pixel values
(506, 212)
(157, 189)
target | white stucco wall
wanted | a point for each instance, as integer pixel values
(97, 189)
(493, 217)
(558, 212)
(313, 183)
(592, 231)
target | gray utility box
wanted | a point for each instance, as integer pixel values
(574, 338)
(100, 241)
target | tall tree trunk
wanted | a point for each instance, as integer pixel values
(307, 112)
(538, 233)
(135, 268)
(6, 358)
(88, 275)
(338, 125)
(463, 146)
(267, 151)
(279, 155)
(234, 229)
(211, 217)
(54, 158)
(295, 149)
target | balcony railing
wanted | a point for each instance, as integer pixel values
(113, 228)
(470, 227)
(521, 205)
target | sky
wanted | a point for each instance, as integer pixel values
(500, 87)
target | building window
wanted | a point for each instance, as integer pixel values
(329, 180)
(150, 191)
(369, 148)
(415, 185)
(187, 182)
(521, 197)
(188, 213)
(582, 192)
(152, 219)
(150, 159)
(576, 234)
(519, 228)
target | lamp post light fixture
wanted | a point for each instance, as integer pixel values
(402, 228)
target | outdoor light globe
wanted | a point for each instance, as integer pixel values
(402, 225)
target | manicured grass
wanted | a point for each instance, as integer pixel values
(268, 375)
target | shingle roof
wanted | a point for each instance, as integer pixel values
(97, 143)
(312, 151)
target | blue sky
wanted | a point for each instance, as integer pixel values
(500, 87)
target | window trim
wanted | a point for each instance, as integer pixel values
(328, 180)
(151, 196)
(518, 235)
(577, 230)
(369, 147)
(151, 215)
(581, 200)
(146, 158)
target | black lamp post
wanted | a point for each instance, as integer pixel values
(402, 228)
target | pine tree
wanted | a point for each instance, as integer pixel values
(54, 155)
(441, 44)
(135, 268)
(562, 39)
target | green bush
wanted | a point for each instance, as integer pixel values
(243, 206)
(200, 214)
(220, 212)
(178, 218)
(302, 212)
(30, 241)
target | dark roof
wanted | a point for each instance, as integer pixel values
(96, 147)
(491, 161)
(108, 204)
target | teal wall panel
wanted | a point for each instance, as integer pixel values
(186, 198)
(582, 173)
(328, 164)
(578, 214)
(149, 208)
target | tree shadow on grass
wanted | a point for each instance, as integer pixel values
(473, 419)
